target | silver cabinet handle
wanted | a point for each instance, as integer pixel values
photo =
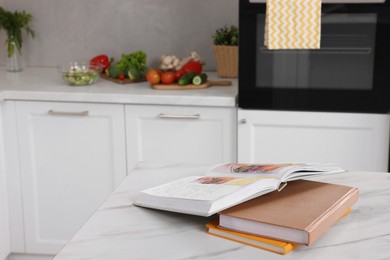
(66, 113)
(243, 121)
(168, 116)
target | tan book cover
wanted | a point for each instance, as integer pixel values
(299, 213)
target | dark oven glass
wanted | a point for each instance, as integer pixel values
(349, 73)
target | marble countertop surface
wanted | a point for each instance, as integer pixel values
(119, 230)
(46, 84)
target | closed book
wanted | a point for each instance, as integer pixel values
(300, 213)
(272, 245)
(268, 244)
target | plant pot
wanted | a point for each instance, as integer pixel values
(226, 58)
(14, 61)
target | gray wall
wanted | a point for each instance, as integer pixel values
(69, 30)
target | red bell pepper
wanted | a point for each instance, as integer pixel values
(192, 66)
(102, 59)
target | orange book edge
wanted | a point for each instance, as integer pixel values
(268, 244)
(272, 245)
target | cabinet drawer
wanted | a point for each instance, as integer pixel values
(180, 134)
(354, 141)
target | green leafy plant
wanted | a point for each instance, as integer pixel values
(13, 24)
(226, 36)
(136, 59)
(133, 64)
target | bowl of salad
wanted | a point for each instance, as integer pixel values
(80, 73)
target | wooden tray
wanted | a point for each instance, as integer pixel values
(118, 81)
(191, 86)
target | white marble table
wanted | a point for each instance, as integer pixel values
(119, 230)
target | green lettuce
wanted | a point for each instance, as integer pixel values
(135, 62)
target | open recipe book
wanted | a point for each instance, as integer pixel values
(226, 185)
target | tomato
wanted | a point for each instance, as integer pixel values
(121, 76)
(101, 59)
(168, 77)
(152, 76)
(194, 66)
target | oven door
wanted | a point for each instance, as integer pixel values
(349, 73)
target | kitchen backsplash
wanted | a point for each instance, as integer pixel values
(69, 30)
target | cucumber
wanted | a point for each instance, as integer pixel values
(186, 78)
(199, 79)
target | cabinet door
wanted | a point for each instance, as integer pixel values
(72, 156)
(4, 232)
(180, 134)
(353, 141)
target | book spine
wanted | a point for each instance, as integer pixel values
(338, 211)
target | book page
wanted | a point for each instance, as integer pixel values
(281, 171)
(312, 169)
(275, 170)
(201, 187)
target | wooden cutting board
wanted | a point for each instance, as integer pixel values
(118, 81)
(191, 86)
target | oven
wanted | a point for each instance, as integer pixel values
(350, 72)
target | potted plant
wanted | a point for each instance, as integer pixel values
(13, 23)
(225, 49)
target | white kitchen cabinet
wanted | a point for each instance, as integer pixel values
(180, 134)
(4, 232)
(65, 159)
(353, 141)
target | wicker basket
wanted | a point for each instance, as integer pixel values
(226, 58)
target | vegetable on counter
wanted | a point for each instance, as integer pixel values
(133, 65)
(171, 62)
(199, 79)
(194, 66)
(186, 78)
(174, 70)
(121, 76)
(152, 76)
(168, 77)
(113, 71)
(178, 74)
(103, 60)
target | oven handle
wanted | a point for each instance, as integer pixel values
(334, 1)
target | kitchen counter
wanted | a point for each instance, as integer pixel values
(119, 230)
(46, 84)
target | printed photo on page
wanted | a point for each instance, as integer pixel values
(281, 171)
(267, 169)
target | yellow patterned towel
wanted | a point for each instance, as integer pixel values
(293, 24)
